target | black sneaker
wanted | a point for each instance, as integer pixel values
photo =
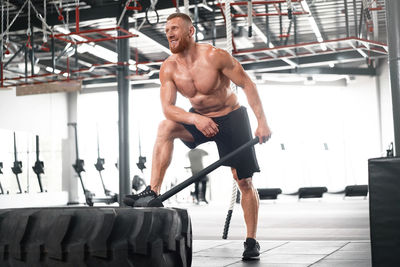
(251, 250)
(141, 199)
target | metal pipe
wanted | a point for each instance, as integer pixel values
(196, 20)
(344, 40)
(361, 22)
(127, 34)
(269, 14)
(244, 3)
(267, 26)
(26, 63)
(355, 17)
(295, 33)
(123, 113)
(14, 56)
(288, 31)
(76, 59)
(346, 15)
(214, 28)
(53, 59)
(68, 71)
(280, 26)
(393, 28)
(77, 18)
(32, 53)
(1, 71)
(250, 18)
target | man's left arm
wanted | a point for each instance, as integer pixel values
(231, 68)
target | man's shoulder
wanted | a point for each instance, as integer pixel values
(213, 53)
(169, 63)
(205, 46)
(209, 49)
(170, 60)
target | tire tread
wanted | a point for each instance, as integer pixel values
(92, 236)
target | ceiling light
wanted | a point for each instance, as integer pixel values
(50, 69)
(313, 25)
(362, 53)
(21, 67)
(291, 63)
(140, 66)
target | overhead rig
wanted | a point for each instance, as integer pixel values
(36, 73)
(284, 33)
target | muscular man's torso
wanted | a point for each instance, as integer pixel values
(206, 87)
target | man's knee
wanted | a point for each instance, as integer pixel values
(166, 128)
(245, 185)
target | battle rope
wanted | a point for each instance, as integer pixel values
(229, 48)
(186, 7)
(230, 211)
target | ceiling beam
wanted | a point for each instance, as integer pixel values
(97, 12)
(335, 71)
(308, 61)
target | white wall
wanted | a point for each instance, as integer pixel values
(98, 113)
(44, 115)
(305, 117)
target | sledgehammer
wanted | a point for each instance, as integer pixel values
(157, 202)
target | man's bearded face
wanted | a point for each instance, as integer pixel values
(178, 35)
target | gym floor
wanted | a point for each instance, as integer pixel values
(331, 231)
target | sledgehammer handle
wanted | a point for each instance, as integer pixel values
(206, 170)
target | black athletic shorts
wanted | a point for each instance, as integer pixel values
(234, 131)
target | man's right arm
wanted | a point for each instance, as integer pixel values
(168, 94)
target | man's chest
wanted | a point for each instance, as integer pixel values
(203, 79)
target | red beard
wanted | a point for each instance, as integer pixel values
(182, 44)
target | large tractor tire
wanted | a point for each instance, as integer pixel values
(87, 236)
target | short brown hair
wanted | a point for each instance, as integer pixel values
(180, 15)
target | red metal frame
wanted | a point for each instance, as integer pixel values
(328, 51)
(244, 3)
(42, 82)
(279, 13)
(269, 14)
(62, 36)
(77, 18)
(83, 34)
(138, 7)
(48, 75)
(378, 6)
(2, 74)
(375, 8)
(248, 51)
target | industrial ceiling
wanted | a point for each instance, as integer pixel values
(44, 41)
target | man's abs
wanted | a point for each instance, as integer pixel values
(214, 106)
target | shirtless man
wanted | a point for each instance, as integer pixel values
(202, 73)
